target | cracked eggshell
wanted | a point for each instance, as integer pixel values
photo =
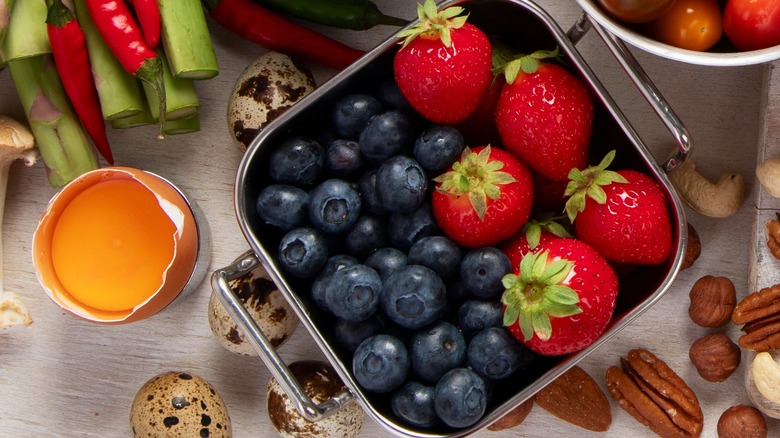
(260, 296)
(268, 87)
(179, 404)
(320, 382)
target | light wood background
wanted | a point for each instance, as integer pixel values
(64, 377)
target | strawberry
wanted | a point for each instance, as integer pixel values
(560, 298)
(530, 237)
(545, 115)
(444, 64)
(622, 214)
(484, 198)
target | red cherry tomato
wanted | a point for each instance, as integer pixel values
(752, 24)
(636, 11)
(689, 24)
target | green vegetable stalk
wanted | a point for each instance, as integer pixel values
(186, 39)
(6, 6)
(182, 126)
(355, 15)
(120, 93)
(61, 140)
(26, 35)
(181, 98)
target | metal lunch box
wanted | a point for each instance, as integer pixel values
(526, 27)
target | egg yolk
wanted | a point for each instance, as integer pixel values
(112, 245)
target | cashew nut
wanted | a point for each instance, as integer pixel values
(720, 199)
(766, 376)
(768, 174)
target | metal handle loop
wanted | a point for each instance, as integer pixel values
(220, 282)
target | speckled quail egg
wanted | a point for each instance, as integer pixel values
(266, 305)
(266, 88)
(320, 382)
(179, 404)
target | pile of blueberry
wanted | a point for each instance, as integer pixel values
(420, 315)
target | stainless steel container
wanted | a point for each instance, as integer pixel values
(527, 27)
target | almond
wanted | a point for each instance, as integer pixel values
(575, 397)
(514, 417)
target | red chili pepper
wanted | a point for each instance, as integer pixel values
(148, 13)
(72, 60)
(275, 32)
(123, 36)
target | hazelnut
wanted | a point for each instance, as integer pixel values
(742, 421)
(692, 250)
(712, 301)
(715, 357)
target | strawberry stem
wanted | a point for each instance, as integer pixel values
(434, 24)
(476, 176)
(588, 183)
(537, 294)
(527, 63)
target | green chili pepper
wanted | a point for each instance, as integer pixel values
(344, 14)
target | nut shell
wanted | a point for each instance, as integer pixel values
(712, 301)
(179, 404)
(715, 357)
(742, 421)
(320, 382)
(260, 296)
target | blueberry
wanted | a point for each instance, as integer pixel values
(352, 112)
(368, 193)
(460, 397)
(404, 229)
(334, 206)
(320, 283)
(401, 184)
(298, 161)
(413, 403)
(353, 292)
(438, 253)
(283, 206)
(303, 251)
(438, 147)
(495, 354)
(386, 135)
(436, 349)
(349, 334)
(413, 296)
(477, 315)
(386, 260)
(391, 97)
(367, 235)
(482, 270)
(380, 363)
(343, 158)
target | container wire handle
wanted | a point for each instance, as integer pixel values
(220, 282)
(645, 85)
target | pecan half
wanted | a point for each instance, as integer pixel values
(759, 313)
(773, 236)
(652, 393)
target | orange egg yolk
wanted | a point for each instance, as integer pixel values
(112, 245)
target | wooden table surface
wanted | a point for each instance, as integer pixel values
(64, 377)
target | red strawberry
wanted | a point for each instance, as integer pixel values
(622, 214)
(480, 126)
(561, 298)
(444, 64)
(485, 198)
(545, 115)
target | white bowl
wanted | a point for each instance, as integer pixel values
(719, 57)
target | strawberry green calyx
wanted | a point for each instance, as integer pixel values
(588, 184)
(533, 230)
(478, 177)
(434, 24)
(526, 63)
(537, 294)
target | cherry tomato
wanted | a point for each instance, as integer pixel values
(636, 11)
(689, 24)
(752, 24)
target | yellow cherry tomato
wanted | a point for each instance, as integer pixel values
(689, 24)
